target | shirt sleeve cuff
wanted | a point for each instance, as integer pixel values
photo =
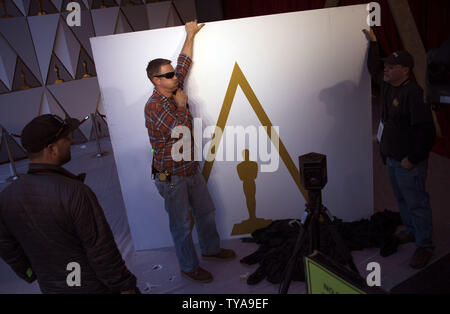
(182, 109)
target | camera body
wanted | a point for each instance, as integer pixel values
(438, 75)
(313, 171)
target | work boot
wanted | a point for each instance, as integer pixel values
(224, 255)
(404, 237)
(198, 275)
(420, 258)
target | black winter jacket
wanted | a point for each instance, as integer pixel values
(408, 123)
(50, 218)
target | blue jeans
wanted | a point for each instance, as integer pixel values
(180, 195)
(413, 201)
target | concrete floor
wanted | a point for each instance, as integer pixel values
(157, 270)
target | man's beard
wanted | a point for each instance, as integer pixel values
(65, 158)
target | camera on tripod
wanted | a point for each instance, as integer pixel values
(313, 171)
(313, 177)
(438, 76)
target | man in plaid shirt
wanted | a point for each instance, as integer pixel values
(180, 183)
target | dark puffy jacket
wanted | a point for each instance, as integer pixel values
(50, 218)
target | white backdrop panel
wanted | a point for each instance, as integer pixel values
(307, 70)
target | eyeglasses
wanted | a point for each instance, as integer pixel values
(167, 75)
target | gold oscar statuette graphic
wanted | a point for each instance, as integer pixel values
(41, 12)
(238, 79)
(86, 74)
(247, 172)
(103, 5)
(58, 79)
(25, 85)
(6, 15)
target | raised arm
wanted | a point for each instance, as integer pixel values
(192, 28)
(374, 61)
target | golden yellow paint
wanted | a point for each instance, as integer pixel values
(238, 78)
(248, 172)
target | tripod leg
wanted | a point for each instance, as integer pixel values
(301, 239)
(342, 247)
(315, 230)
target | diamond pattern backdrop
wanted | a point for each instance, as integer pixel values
(46, 66)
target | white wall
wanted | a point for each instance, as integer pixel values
(307, 70)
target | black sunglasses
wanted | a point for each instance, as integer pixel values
(63, 126)
(167, 75)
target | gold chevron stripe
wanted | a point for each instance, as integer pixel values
(238, 78)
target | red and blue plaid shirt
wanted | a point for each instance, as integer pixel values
(162, 115)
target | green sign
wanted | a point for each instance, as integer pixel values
(29, 272)
(321, 280)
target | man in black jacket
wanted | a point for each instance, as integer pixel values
(406, 136)
(52, 227)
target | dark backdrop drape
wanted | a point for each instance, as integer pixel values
(432, 19)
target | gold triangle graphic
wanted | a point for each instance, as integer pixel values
(238, 78)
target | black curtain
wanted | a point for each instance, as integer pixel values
(432, 19)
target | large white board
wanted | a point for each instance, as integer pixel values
(307, 70)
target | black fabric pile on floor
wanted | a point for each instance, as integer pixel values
(277, 242)
(377, 232)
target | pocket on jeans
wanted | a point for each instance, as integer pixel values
(419, 183)
(172, 186)
(160, 186)
(198, 179)
(409, 172)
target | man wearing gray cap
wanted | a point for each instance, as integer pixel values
(406, 136)
(51, 224)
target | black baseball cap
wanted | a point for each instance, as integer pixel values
(402, 58)
(46, 129)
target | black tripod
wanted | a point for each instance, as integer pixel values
(314, 178)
